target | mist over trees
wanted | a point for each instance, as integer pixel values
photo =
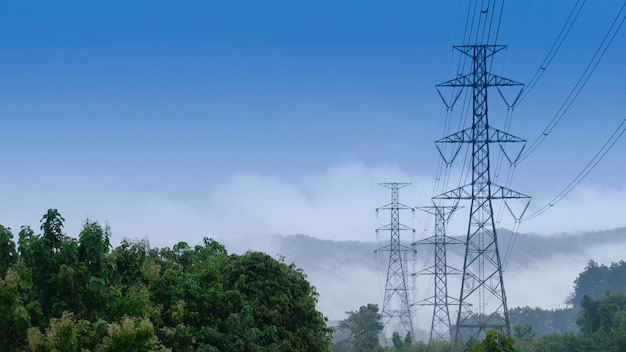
(595, 322)
(596, 280)
(59, 293)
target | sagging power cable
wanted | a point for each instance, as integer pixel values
(606, 147)
(582, 80)
(554, 49)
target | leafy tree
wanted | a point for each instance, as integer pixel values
(284, 302)
(59, 293)
(93, 271)
(596, 280)
(523, 332)
(495, 341)
(604, 320)
(8, 252)
(544, 321)
(52, 227)
(363, 328)
(18, 308)
(68, 334)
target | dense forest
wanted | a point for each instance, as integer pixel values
(60, 293)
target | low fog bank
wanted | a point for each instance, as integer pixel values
(540, 271)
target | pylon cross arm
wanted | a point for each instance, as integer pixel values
(440, 210)
(498, 136)
(464, 136)
(494, 135)
(398, 206)
(390, 227)
(442, 240)
(470, 50)
(500, 192)
(497, 81)
(430, 301)
(426, 271)
(469, 80)
(461, 81)
(449, 153)
(451, 240)
(453, 271)
(396, 185)
(464, 192)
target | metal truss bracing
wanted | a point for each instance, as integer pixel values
(440, 327)
(482, 303)
(396, 312)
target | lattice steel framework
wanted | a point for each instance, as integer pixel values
(482, 303)
(396, 312)
(440, 327)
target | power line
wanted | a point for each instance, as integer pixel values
(521, 20)
(606, 147)
(582, 80)
(567, 26)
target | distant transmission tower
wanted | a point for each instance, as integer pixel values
(396, 312)
(440, 327)
(482, 303)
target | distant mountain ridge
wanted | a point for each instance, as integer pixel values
(540, 273)
(306, 251)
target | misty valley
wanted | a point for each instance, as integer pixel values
(81, 293)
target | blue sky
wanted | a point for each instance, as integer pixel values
(177, 120)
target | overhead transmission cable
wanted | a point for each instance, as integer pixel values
(521, 20)
(606, 147)
(443, 173)
(556, 45)
(567, 26)
(582, 80)
(443, 169)
(565, 29)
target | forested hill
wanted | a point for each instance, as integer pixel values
(310, 252)
(540, 273)
(307, 251)
(537, 247)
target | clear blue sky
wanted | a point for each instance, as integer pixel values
(176, 120)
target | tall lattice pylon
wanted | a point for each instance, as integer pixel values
(482, 303)
(396, 312)
(440, 270)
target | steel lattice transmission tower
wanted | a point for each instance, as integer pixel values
(482, 303)
(396, 312)
(440, 270)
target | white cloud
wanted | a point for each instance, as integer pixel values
(336, 203)
(544, 284)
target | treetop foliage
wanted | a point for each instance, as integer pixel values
(596, 280)
(59, 293)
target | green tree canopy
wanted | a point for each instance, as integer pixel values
(604, 320)
(596, 280)
(363, 328)
(59, 293)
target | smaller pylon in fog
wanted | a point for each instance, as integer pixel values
(440, 270)
(396, 312)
